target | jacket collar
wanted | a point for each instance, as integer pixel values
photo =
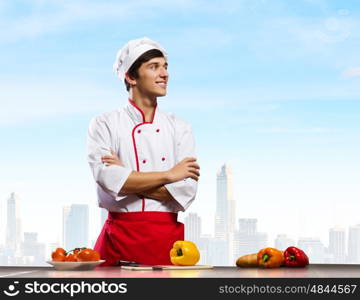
(136, 113)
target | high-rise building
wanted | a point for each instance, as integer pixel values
(193, 233)
(225, 203)
(204, 243)
(314, 249)
(282, 242)
(76, 226)
(248, 226)
(337, 245)
(247, 239)
(354, 244)
(13, 224)
(33, 250)
(217, 252)
(225, 214)
(192, 227)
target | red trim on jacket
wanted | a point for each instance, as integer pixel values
(133, 138)
(135, 149)
(142, 113)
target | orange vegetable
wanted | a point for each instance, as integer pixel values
(58, 255)
(270, 258)
(77, 254)
(71, 257)
(88, 255)
(247, 261)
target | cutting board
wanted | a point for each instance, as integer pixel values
(166, 267)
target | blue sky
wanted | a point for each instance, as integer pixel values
(270, 87)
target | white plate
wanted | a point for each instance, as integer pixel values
(74, 265)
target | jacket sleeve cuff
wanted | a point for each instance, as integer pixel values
(183, 191)
(112, 179)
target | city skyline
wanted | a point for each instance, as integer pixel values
(95, 214)
(221, 247)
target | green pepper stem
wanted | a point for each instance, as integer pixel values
(265, 257)
(179, 252)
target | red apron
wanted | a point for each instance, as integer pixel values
(145, 237)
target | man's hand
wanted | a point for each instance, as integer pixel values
(112, 159)
(184, 169)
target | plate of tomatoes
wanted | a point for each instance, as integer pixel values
(76, 259)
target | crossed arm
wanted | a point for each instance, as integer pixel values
(151, 184)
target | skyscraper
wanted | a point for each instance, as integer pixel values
(248, 226)
(337, 244)
(282, 242)
(13, 224)
(314, 248)
(76, 226)
(225, 203)
(192, 224)
(248, 239)
(31, 248)
(354, 244)
(192, 227)
(218, 250)
(225, 215)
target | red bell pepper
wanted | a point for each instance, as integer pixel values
(295, 257)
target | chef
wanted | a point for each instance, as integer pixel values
(143, 161)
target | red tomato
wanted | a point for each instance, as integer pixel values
(71, 257)
(88, 255)
(58, 255)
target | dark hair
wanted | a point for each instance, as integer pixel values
(146, 56)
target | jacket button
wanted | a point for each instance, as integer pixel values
(144, 161)
(157, 130)
(163, 159)
(139, 131)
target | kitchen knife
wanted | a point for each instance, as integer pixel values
(136, 264)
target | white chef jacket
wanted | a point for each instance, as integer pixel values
(141, 146)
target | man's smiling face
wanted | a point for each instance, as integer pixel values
(153, 77)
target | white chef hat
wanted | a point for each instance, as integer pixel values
(128, 54)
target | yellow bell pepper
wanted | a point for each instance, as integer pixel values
(184, 253)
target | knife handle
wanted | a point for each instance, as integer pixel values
(127, 263)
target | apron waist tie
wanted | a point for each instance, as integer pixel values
(158, 216)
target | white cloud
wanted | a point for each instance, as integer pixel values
(199, 40)
(25, 101)
(343, 12)
(52, 16)
(318, 38)
(57, 16)
(351, 72)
